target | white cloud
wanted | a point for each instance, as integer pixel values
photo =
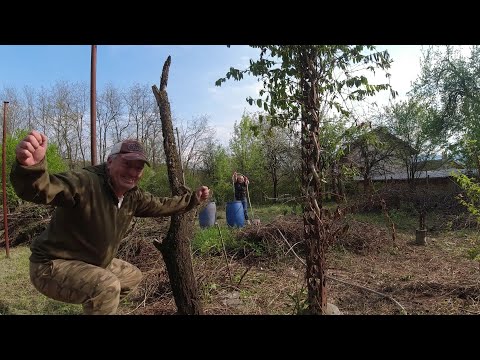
(229, 104)
(244, 62)
(249, 85)
(235, 92)
(212, 90)
(405, 68)
(224, 132)
(239, 106)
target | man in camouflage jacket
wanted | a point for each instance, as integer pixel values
(73, 260)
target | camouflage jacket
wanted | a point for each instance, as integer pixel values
(240, 191)
(87, 224)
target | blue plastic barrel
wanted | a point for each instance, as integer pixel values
(208, 216)
(235, 215)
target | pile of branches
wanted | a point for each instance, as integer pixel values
(276, 237)
(363, 238)
(137, 245)
(26, 222)
(285, 234)
(461, 221)
(137, 248)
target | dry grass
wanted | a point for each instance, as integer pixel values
(433, 279)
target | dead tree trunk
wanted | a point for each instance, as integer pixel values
(175, 248)
(313, 234)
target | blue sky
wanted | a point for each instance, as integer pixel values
(194, 70)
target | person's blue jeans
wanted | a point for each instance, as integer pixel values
(244, 204)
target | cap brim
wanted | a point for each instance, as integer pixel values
(135, 156)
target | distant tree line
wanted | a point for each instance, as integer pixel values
(269, 157)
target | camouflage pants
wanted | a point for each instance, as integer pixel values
(98, 290)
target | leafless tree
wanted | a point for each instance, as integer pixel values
(81, 98)
(154, 140)
(121, 123)
(15, 115)
(141, 114)
(30, 111)
(65, 119)
(109, 122)
(44, 109)
(193, 138)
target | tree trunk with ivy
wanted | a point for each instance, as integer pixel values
(311, 187)
(175, 248)
(295, 79)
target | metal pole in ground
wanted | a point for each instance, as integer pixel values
(4, 179)
(250, 203)
(233, 184)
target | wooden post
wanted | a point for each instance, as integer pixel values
(421, 236)
(421, 233)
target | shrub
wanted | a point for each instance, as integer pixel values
(55, 162)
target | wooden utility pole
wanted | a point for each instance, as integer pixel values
(93, 107)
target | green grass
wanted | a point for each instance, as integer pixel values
(211, 241)
(208, 240)
(18, 296)
(266, 213)
(404, 222)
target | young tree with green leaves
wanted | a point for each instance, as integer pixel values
(334, 135)
(373, 152)
(449, 80)
(244, 144)
(410, 122)
(246, 153)
(296, 80)
(216, 165)
(278, 155)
